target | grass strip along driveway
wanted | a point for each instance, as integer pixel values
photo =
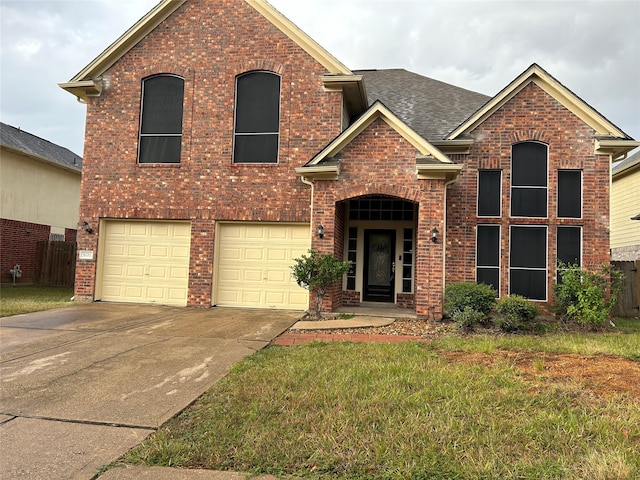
(412, 411)
(28, 298)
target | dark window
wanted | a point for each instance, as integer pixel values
(407, 261)
(257, 125)
(380, 208)
(488, 255)
(352, 250)
(529, 180)
(569, 247)
(161, 119)
(569, 193)
(489, 193)
(528, 262)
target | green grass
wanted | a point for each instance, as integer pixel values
(25, 299)
(623, 340)
(400, 411)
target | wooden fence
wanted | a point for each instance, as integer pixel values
(629, 297)
(55, 264)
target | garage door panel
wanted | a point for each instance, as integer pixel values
(137, 251)
(254, 265)
(180, 252)
(277, 255)
(254, 254)
(253, 297)
(252, 276)
(138, 229)
(145, 262)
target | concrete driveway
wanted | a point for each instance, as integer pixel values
(82, 385)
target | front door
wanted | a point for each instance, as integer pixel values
(379, 268)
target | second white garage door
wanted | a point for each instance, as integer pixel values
(254, 265)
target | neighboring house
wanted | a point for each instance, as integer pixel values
(222, 142)
(39, 198)
(625, 209)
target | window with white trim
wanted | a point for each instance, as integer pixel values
(257, 118)
(489, 193)
(569, 247)
(160, 138)
(569, 193)
(529, 178)
(528, 261)
(488, 255)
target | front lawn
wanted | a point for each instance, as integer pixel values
(406, 411)
(28, 298)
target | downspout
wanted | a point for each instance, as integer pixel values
(307, 182)
(444, 235)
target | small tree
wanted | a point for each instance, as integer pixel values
(587, 296)
(318, 273)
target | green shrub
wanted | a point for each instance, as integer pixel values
(515, 313)
(477, 296)
(468, 318)
(318, 273)
(586, 296)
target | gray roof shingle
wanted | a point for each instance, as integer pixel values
(430, 107)
(32, 145)
(630, 161)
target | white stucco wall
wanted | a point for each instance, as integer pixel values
(38, 192)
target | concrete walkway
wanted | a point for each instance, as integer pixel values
(84, 384)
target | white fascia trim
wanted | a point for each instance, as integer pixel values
(291, 30)
(378, 110)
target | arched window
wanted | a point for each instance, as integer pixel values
(161, 119)
(529, 180)
(257, 118)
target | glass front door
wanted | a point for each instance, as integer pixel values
(379, 268)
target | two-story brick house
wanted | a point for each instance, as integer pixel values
(222, 142)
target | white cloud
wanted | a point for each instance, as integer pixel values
(592, 47)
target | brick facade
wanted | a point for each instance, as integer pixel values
(531, 115)
(380, 162)
(19, 245)
(206, 186)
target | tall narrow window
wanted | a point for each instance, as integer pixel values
(528, 262)
(569, 193)
(489, 194)
(488, 255)
(569, 251)
(352, 255)
(529, 180)
(407, 261)
(161, 119)
(257, 123)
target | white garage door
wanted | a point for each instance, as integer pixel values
(254, 265)
(145, 262)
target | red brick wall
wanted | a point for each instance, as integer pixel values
(228, 38)
(19, 245)
(381, 162)
(531, 115)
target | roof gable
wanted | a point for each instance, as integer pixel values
(553, 87)
(87, 82)
(378, 110)
(430, 161)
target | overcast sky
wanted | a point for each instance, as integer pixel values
(592, 47)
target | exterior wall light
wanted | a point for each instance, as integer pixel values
(434, 234)
(87, 228)
(320, 231)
